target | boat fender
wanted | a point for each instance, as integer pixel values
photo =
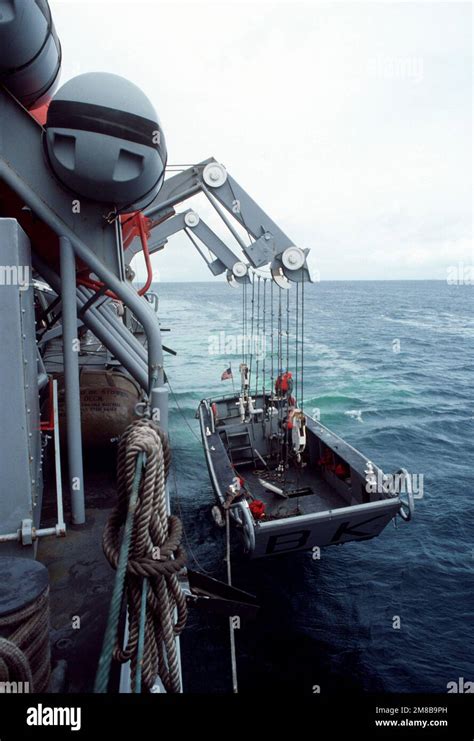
(298, 431)
(217, 516)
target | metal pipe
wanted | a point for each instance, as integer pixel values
(137, 371)
(61, 526)
(159, 407)
(10, 537)
(106, 313)
(172, 201)
(36, 533)
(71, 378)
(142, 310)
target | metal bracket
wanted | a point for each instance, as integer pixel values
(207, 593)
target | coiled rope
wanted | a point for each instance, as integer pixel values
(25, 653)
(147, 558)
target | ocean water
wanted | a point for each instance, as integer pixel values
(330, 622)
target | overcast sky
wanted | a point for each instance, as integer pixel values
(349, 123)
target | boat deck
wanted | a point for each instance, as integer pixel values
(316, 495)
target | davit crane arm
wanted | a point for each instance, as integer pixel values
(269, 245)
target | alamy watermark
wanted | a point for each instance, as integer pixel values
(15, 275)
(14, 688)
(396, 68)
(394, 484)
(222, 343)
(461, 274)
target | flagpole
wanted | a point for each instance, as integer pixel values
(232, 376)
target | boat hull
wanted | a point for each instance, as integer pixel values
(331, 511)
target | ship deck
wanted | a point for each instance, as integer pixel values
(81, 579)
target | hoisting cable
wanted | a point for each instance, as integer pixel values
(272, 323)
(301, 405)
(280, 371)
(250, 339)
(255, 339)
(244, 328)
(296, 341)
(263, 343)
(233, 658)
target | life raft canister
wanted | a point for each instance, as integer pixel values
(104, 141)
(284, 383)
(257, 508)
(30, 52)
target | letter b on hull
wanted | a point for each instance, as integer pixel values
(287, 542)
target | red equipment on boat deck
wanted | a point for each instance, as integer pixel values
(214, 411)
(289, 424)
(257, 508)
(327, 460)
(341, 471)
(284, 383)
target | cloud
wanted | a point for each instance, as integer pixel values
(351, 124)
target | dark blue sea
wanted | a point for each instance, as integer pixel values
(330, 622)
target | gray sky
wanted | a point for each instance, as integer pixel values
(350, 123)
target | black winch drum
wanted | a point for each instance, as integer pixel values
(30, 52)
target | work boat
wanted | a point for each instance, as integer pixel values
(286, 480)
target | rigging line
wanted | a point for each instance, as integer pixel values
(287, 331)
(296, 342)
(302, 343)
(263, 344)
(244, 293)
(272, 387)
(251, 331)
(257, 336)
(280, 339)
(181, 411)
(180, 511)
(272, 318)
(235, 685)
(280, 371)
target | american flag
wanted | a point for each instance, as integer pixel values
(227, 374)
